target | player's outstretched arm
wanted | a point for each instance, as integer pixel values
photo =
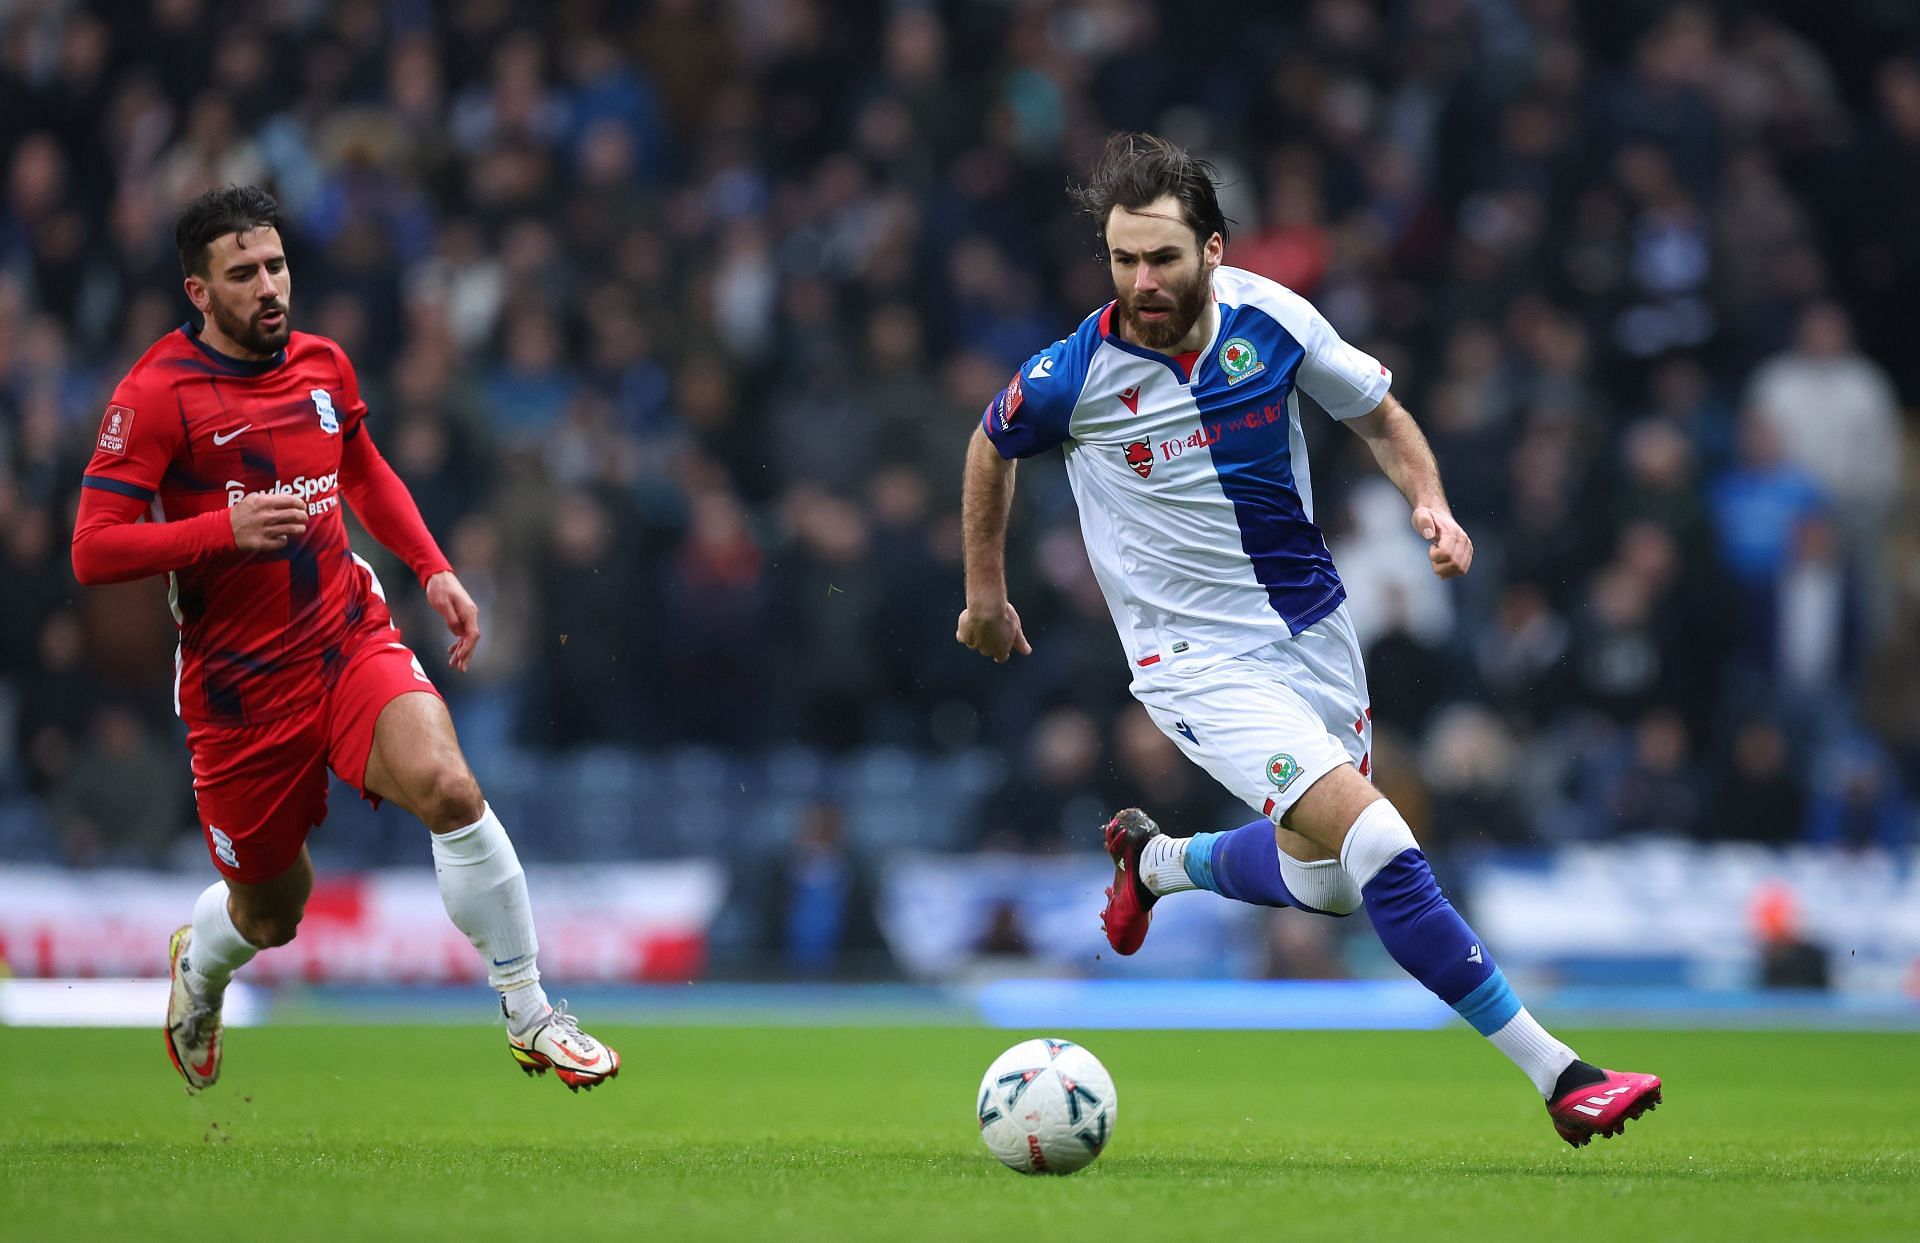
(989, 625)
(1406, 459)
(379, 498)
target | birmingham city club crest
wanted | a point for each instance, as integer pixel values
(323, 406)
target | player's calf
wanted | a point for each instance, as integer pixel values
(1427, 937)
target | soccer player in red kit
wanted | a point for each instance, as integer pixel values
(238, 441)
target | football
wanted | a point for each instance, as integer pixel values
(1046, 1107)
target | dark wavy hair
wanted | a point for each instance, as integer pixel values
(1136, 169)
(228, 209)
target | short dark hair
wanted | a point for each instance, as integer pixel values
(228, 209)
(1137, 169)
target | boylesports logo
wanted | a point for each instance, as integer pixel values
(1140, 457)
(1239, 359)
(1282, 769)
(320, 492)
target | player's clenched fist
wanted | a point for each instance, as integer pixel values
(993, 630)
(265, 521)
(1449, 548)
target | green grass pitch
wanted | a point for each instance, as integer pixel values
(349, 1133)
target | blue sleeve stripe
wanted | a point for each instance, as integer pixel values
(105, 484)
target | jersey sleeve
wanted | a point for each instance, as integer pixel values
(1032, 414)
(386, 508)
(1347, 382)
(140, 433)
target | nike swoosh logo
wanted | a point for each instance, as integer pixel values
(213, 1052)
(579, 1061)
(220, 439)
(498, 962)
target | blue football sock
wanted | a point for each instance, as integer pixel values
(1428, 938)
(1417, 924)
(1242, 864)
(1247, 866)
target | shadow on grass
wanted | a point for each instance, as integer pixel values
(792, 1158)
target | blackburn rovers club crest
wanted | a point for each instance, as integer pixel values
(323, 406)
(1140, 457)
(1239, 359)
(1282, 769)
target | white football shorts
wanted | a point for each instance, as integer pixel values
(1269, 723)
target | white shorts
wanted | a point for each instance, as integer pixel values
(1269, 723)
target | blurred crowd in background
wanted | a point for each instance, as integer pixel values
(677, 316)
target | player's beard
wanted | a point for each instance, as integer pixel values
(1185, 301)
(249, 335)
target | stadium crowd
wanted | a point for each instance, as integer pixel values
(677, 316)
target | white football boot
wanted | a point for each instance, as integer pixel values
(193, 1022)
(556, 1043)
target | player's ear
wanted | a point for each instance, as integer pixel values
(1214, 251)
(198, 293)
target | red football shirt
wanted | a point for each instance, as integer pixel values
(193, 431)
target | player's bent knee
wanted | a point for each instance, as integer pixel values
(1329, 807)
(453, 800)
(269, 930)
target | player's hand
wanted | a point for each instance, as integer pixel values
(993, 630)
(1449, 548)
(265, 521)
(462, 615)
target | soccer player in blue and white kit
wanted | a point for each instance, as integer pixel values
(1177, 407)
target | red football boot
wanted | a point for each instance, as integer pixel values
(1603, 1108)
(1129, 903)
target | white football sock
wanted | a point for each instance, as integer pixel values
(217, 949)
(1163, 865)
(1322, 885)
(1534, 1050)
(485, 892)
(524, 1007)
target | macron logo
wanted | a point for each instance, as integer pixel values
(1041, 370)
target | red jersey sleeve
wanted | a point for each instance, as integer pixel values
(137, 442)
(378, 496)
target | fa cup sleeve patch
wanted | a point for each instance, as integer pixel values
(115, 428)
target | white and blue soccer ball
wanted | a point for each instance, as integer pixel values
(1046, 1107)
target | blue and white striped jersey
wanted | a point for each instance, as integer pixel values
(1191, 473)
